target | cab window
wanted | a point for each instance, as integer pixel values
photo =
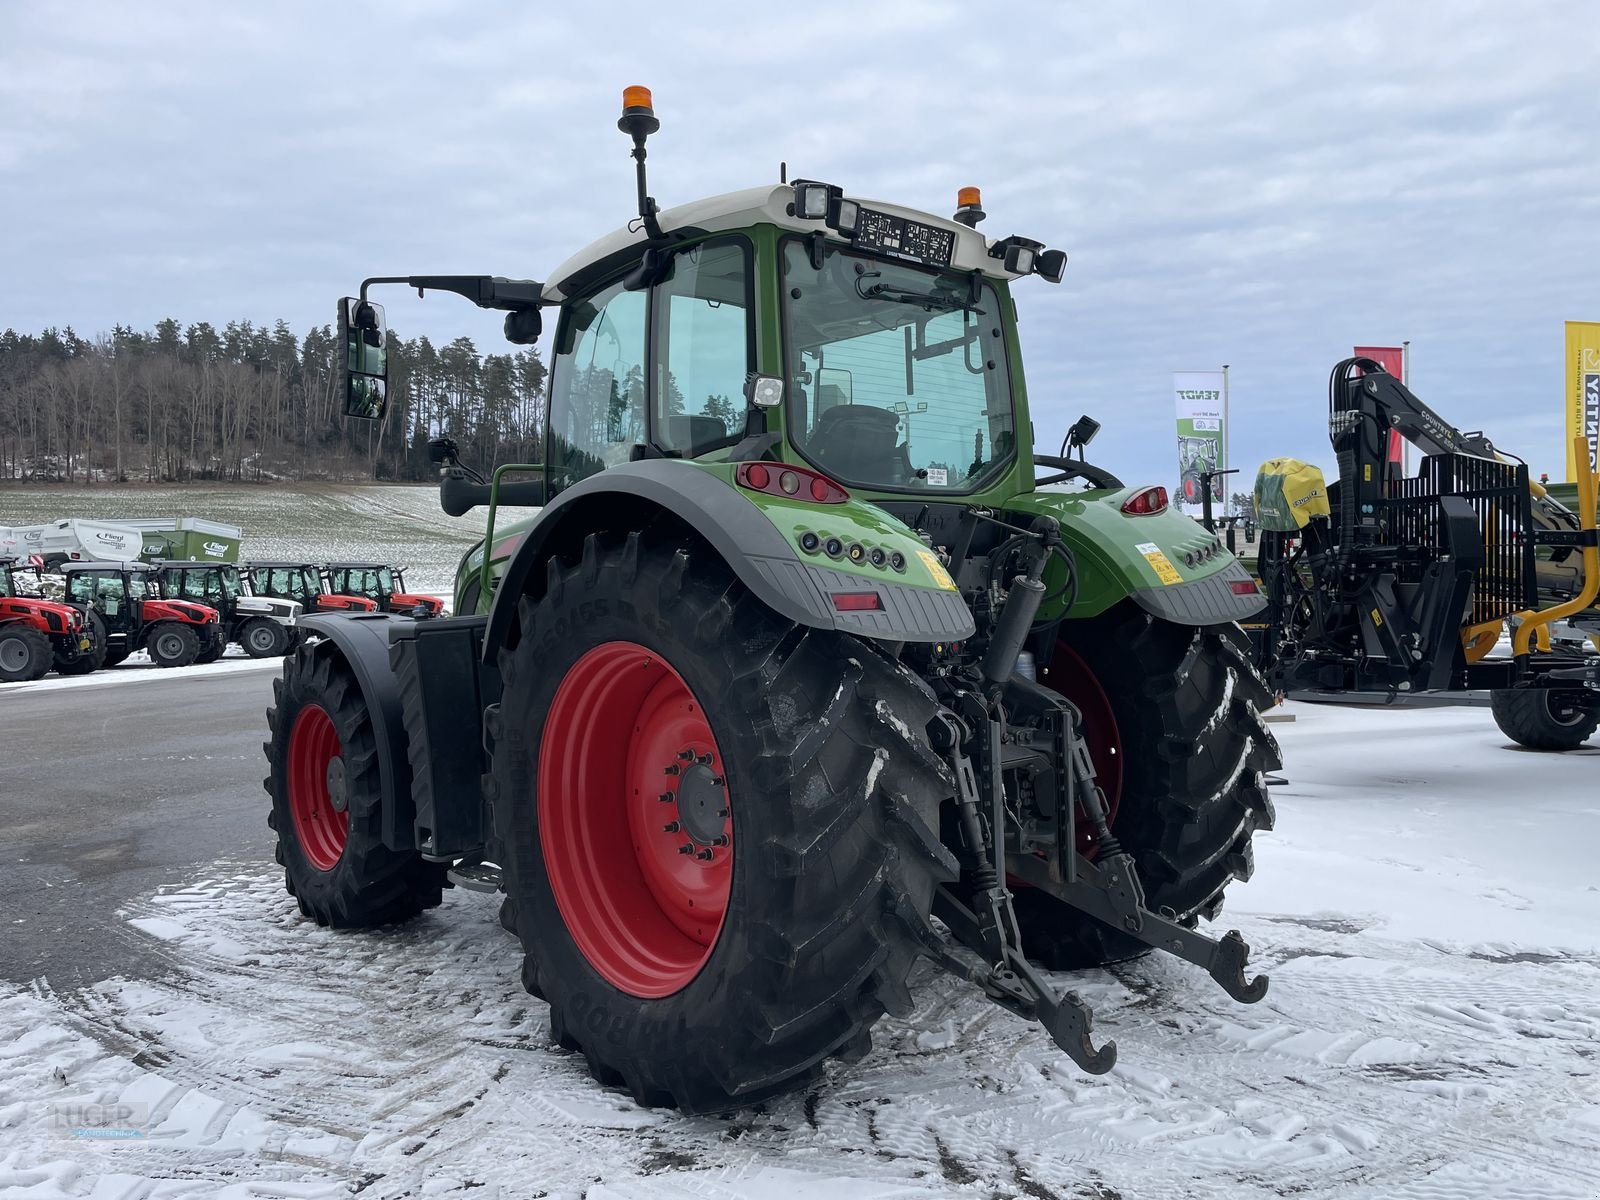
(704, 348)
(597, 398)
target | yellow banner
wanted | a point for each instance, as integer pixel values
(1581, 383)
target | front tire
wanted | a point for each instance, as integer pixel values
(90, 660)
(1545, 718)
(327, 802)
(262, 637)
(173, 644)
(25, 654)
(1173, 720)
(816, 904)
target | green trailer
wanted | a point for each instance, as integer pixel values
(187, 539)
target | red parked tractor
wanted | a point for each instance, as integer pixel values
(384, 584)
(36, 634)
(123, 601)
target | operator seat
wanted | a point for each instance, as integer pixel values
(858, 441)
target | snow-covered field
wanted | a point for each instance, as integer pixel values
(1429, 910)
(302, 522)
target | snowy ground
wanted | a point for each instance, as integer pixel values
(137, 668)
(301, 522)
(1428, 910)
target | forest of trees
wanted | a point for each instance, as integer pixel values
(250, 404)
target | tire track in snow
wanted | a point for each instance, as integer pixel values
(288, 1055)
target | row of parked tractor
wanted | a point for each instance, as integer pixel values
(90, 615)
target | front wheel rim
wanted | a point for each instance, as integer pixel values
(170, 645)
(635, 819)
(14, 654)
(321, 819)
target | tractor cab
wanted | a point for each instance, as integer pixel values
(301, 583)
(380, 583)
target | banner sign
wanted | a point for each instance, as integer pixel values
(1393, 360)
(1202, 438)
(1581, 383)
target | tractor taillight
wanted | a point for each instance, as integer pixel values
(1146, 502)
(1245, 587)
(794, 483)
(857, 602)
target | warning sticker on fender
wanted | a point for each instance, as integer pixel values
(1159, 563)
(936, 569)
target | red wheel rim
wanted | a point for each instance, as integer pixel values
(1071, 676)
(316, 780)
(635, 819)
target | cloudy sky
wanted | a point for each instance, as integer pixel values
(1242, 183)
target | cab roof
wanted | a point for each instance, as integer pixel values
(769, 205)
(136, 568)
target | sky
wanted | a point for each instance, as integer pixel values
(1261, 185)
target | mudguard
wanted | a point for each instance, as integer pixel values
(362, 639)
(757, 536)
(1167, 563)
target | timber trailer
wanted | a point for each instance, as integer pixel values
(1382, 586)
(769, 685)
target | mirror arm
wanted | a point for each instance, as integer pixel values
(486, 291)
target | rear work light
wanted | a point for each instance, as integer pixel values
(1146, 502)
(857, 601)
(794, 483)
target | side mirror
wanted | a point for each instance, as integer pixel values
(365, 365)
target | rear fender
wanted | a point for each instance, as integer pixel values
(758, 541)
(1166, 562)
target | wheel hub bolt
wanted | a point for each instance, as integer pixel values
(670, 827)
(686, 848)
(665, 797)
(686, 755)
(703, 759)
(720, 840)
(704, 855)
(334, 778)
(671, 769)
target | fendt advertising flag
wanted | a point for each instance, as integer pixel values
(1202, 433)
(1393, 360)
(1582, 385)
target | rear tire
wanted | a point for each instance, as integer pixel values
(25, 654)
(1193, 754)
(1542, 718)
(327, 802)
(263, 637)
(173, 644)
(832, 796)
(90, 660)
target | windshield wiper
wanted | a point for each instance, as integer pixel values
(933, 302)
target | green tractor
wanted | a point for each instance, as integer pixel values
(799, 675)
